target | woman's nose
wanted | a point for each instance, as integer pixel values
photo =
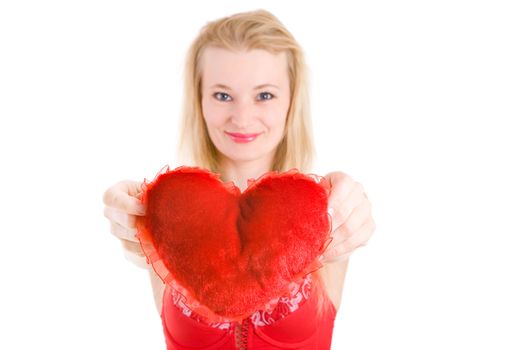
(243, 114)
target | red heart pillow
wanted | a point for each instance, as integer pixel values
(231, 253)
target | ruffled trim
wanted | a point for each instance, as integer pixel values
(153, 258)
(288, 303)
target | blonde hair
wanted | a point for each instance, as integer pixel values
(250, 30)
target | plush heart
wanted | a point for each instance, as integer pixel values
(233, 253)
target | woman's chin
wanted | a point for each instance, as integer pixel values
(247, 157)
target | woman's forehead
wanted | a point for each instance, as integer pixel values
(234, 67)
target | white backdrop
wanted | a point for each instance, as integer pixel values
(422, 102)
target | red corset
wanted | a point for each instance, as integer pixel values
(293, 324)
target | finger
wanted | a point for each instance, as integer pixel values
(336, 252)
(340, 235)
(356, 219)
(360, 238)
(340, 186)
(136, 258)
(125, 233)
(337, 258)
(120, 217)
(132, 188)
(341, 209)
(358, 215)
(132, 247)
(345, 248)
(363, 234)
(343, 198)
(125, 196)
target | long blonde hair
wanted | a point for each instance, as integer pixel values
(250, 30)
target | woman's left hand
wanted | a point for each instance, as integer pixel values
(352, 222)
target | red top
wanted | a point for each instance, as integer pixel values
(293, 324)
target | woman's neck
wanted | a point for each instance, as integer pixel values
(240, 172)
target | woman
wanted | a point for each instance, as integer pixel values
(246, 113)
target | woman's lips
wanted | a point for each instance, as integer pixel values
(242, 138)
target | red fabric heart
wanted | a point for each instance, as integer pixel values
(231, 253)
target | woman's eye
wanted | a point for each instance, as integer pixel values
(221, 96)
(265, 96)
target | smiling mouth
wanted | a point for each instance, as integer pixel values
(242, 138)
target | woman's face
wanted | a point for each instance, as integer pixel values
(245, 101)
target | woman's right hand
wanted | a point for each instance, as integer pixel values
(122, 206)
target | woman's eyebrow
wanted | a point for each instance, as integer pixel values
(225, 87)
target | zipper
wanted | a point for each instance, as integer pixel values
(241, 334)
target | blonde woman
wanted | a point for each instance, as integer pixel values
(245, 113)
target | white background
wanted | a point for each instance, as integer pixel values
(420, 101)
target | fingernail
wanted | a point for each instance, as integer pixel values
(331, 211)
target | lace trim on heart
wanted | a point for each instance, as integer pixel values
(298, 294)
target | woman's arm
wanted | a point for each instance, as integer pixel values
(333, 275)
(122, 207)
(133, 253)
(157, 286)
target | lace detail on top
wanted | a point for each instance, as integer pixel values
(298, 293)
